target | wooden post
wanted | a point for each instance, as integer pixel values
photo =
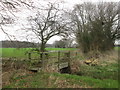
(58, 59)
(76, 53)
(29, 56)
(69, 58)
(69, 63)
(45, 58)
(42, 58)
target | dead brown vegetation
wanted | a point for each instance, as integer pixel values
(96, 59)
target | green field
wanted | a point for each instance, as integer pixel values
(20, 52)
(117, 48)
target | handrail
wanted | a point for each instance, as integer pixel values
(52, 51)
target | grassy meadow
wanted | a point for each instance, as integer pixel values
(20, 52)
(56, 80)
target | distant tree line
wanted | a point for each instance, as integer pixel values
(17, 44)
(64, 43)
(25, 44)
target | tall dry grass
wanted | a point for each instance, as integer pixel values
(106, 58)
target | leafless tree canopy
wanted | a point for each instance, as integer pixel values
(7, 9)
(49, 24)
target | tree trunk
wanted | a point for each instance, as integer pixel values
(42, 48)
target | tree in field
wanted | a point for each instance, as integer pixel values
(60, 44)
(96, 25)
(64, 43)
(48, 23)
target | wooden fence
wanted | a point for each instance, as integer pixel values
(61, 58)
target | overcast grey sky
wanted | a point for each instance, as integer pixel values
(15, 29)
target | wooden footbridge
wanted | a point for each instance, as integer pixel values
(57, 59)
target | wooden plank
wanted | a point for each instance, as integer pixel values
(35, 69)
(50, 51)
(63, 65)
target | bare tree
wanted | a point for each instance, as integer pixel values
(48, 23)
(60, 44)
(64, 43)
